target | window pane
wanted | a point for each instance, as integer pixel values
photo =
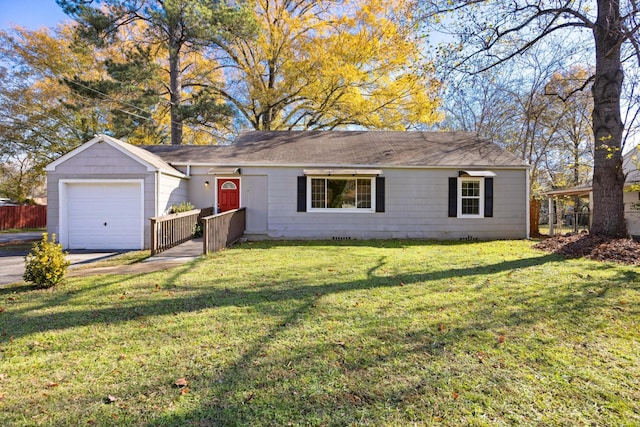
(470, 206)
(318, 199)
(470, 189)
(341, 193)
(364, 193)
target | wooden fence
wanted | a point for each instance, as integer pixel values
(171, 230)
(222, 230)
(22, 217)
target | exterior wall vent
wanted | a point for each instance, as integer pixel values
(340, 238)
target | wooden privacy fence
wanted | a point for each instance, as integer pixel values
(23, 217)
(171, 230)
(222, 230)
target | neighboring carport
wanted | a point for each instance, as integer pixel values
(581, 191)
(102, 194)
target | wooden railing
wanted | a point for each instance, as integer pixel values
(171, 230)
(222, 230)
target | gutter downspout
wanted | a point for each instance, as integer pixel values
(157, 203)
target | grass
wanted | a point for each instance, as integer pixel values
(331, 333)
(125, 258)
(564, 229)
(21, 230)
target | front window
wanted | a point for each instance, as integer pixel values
(341, 193)
(471, 197)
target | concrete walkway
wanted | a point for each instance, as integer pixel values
(28, 236)
(170, 258)
(12, 262)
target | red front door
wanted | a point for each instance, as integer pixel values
(228, 194)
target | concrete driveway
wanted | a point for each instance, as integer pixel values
(16, 245)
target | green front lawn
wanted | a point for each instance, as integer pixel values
(384, 333)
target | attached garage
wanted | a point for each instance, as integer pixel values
(105, 214)
(102, 194)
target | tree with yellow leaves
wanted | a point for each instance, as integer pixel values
(40, 117)
(330, 64)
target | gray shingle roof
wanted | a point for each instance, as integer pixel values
(144, 155)
(346, 148)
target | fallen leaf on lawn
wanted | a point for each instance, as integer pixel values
(110, 399)
(341, 343)
(181, 382)
(184, 390)
(441, 327)
(455, 395)
(2, 396)
(51, 384)
(355, 398)
(1, 309)
(500, 339)
(249, 397)
(401, 283)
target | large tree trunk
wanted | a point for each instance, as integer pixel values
(608, 178)
(175, 89)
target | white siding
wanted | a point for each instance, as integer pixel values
(171, 191)
(255, 198)
(199, 194)
(100, 162)
(416, 207)
(632, 212)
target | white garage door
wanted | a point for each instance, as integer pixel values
(104, 215)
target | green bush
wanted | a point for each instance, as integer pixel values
(182, 207)
(46, 264)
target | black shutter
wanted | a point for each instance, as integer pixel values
(302, 194)
(380, 194)
(488, 197)
(453, 197)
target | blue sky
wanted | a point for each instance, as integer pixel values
(31, 14)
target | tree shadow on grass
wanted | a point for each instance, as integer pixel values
(339, 400)
(30, 322)
(238, 377)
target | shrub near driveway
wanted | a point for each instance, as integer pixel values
(331, 333)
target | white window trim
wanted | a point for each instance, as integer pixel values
(481, 205)
(342, 210)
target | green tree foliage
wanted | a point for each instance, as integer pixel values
(40, 119)
(130, 91)
(177, 28)
(19, 181)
